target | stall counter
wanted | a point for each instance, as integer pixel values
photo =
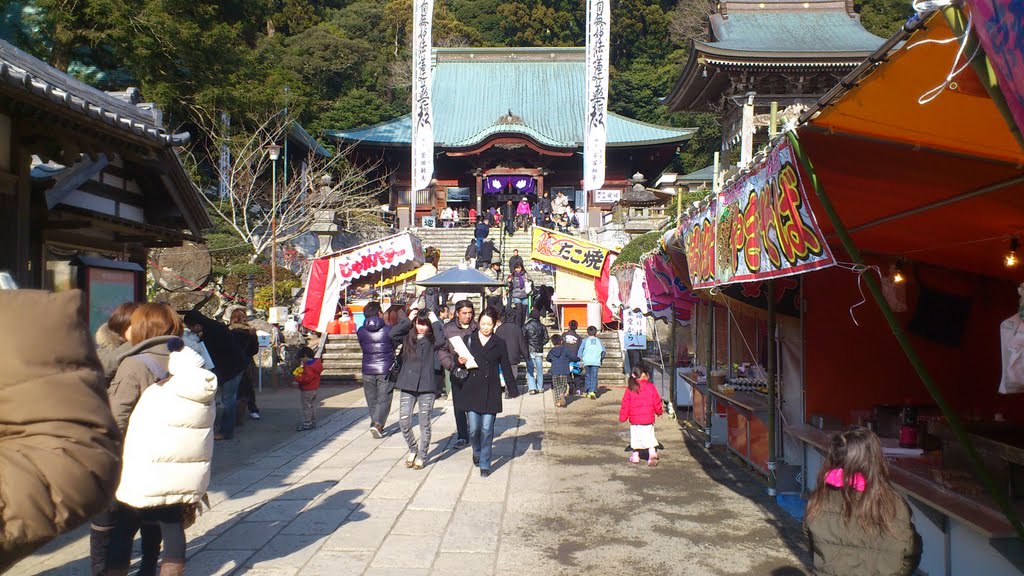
(747, 429)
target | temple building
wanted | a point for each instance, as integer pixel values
(765, 51)
(508, 123)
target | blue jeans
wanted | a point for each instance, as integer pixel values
(481, 436)
(228, 400)
(590, 384)
(535, 364)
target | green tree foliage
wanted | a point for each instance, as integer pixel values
(346, 63)
(637, 247)
(883, 17)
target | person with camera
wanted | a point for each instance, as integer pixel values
(421, 336)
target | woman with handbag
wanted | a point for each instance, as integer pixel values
(480, 394)
(419, 378)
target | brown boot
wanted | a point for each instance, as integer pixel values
(172, 568)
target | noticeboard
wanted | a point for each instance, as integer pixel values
(105, 290)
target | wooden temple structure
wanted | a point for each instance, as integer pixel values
(509, 123)
(89, 181)
(763, 51)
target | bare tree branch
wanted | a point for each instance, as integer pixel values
(340, 182)
(689, 21)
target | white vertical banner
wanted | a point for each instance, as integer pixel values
(422, 107)
(595, 135)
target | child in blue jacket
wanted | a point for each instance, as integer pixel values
(560, 356)
(592, 355)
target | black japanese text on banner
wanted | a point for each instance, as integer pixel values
(595, 124)
(422, 107)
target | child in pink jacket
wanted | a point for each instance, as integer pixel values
(640, 404)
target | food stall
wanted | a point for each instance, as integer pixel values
(348, 276)
(912, 332)
(577, 264)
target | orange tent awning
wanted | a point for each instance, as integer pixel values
(885, 104)
(939, 183)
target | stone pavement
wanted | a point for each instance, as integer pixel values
(562, 499)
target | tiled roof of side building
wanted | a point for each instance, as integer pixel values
(812, 32)
(25, 72)
(539, 94)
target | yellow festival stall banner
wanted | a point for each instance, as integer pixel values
(568, 251)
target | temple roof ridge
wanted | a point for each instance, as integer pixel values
(536, 93)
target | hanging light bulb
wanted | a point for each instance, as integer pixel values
(897, 273)
(1011, 260)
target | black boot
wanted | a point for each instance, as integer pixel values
(151, 539)
(99, 546)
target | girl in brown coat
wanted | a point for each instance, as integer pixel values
(856, 523)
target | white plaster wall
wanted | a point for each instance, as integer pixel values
(970, 553)
(933, 556)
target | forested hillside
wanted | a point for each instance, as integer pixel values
(345, 63)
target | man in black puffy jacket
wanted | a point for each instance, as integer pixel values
(229, 363)
(460, 326)
(536, 337)
(378, 356)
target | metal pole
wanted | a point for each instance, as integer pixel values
(673, 360)
(710, 367)
(922, 372)
(412, 209)
(772, 361)
(714, 175)
(273, 234)
(273, 268)
(773, 126)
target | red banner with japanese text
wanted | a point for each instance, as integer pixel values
(698, 235)
(760, 227)
(764, 226)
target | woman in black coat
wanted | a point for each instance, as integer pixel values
(480, 394)
(419, 380)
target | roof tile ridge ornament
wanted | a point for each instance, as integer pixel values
(510, 118)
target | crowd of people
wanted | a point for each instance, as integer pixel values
(175, 384)
(553, 213)
(129, 439)
(419, 355)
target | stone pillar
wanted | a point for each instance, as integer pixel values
(747, 134)
(325, 229)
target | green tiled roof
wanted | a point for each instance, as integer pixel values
(538, 93)
(813, 31)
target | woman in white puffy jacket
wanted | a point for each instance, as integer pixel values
(167, 452)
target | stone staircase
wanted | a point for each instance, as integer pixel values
(453, 242)
(343, 361)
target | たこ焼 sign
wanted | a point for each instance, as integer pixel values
(567, 251)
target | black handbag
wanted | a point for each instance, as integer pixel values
(396, 366)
